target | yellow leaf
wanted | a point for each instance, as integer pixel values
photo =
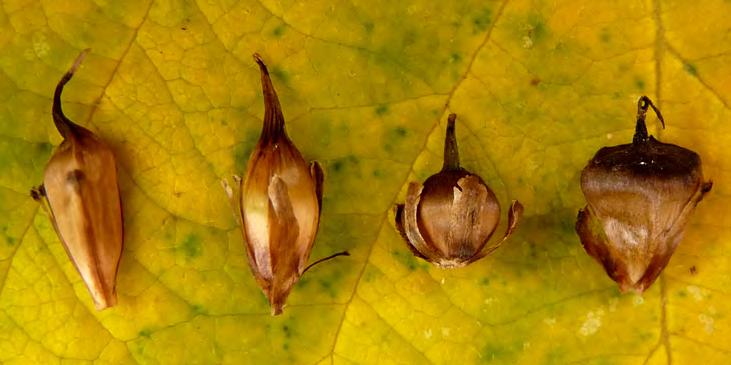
(365, 87)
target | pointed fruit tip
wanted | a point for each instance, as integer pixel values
(630, 289)
(707, 186)
(517, 207)
(104, 303)
(451, 121)
(277, 309)
(645, 102)
(79, 59)
(65, 126)
(451, 151)
(260, 62)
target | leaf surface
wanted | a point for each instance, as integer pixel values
(365, 87)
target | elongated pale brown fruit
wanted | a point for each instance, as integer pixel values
(639, 198)
(449, 220)
(80, 187)
(280, 204)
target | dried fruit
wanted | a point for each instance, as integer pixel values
(82, 196)
(639, 199)
(449, 220)
(278, 204)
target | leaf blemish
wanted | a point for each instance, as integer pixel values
(337, 166)
(191, 246)
(690, 68)
(44, 148)
(280, 74)
(9, 240)
(278, 31)
(533, 31)
(605, 36)
(329, 287)
(400, 132)
(242, 151)
(370, 275)
(492, 352)
(325, 284)
(482, 20)
(198, 309)
(406, 260)
(393, 138)
(640, 84)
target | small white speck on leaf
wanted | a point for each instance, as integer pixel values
(227, 188)
(697, 293)
(40, 44)
(527, 42)
(428, 333)
(638, 300)
(707, 322)
(592, 323)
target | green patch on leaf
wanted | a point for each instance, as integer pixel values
(279, 30)
(690, 68)
(406, 258)
(482, 20)
(191, 246)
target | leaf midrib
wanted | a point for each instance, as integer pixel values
(408, 174)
